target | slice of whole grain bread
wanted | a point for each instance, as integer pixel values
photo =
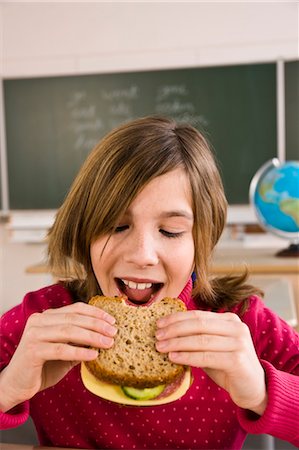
(133, 360)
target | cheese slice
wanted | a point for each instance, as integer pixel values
(115, 394)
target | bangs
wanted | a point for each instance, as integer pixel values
(121, 178)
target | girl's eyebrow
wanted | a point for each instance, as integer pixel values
(168, 214)
(177, 213)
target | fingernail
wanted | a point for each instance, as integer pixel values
(109, 319)
(160, 334)
(107, 340)
(92, 353)
(111, 331)
(161, 345)
(161, 322)
(174, 356)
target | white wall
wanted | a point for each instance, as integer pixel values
(42, 38)
(47, 38)
(14, 259)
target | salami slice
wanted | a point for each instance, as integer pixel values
(172, 387)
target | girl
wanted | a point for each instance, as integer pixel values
(143, 215)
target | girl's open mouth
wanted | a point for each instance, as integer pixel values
(138, 294)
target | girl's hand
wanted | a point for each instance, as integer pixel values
(52, 343)
(220, 344)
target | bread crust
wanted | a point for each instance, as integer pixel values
(133, 360)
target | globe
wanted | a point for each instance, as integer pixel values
(274, 194)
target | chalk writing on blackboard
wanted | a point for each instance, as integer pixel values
(84, 122)
(120, 104)
(164, 92)
(175, 101)
(130, 93)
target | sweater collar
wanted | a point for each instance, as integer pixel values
(185, 295)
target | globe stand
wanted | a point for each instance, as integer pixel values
(291, 251)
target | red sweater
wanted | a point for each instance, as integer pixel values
(67, 415)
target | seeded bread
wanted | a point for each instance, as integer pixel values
(133, 360)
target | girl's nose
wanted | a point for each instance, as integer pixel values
(141, 251)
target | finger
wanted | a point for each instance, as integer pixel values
(213, 325)
(72, 318)
(224, 361)
(69, 333)
(65, 352)
(196, 314)
(84, 309)
(195, 343)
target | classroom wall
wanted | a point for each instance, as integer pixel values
(47, 38)
(75, 37)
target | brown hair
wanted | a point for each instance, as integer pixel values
(119, 166)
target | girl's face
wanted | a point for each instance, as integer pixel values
(151, 254)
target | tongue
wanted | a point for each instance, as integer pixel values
(138, 295)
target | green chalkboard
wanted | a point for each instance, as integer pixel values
(292, 109)
(52, 123)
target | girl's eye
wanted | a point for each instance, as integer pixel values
(121, 228)
(169, 234)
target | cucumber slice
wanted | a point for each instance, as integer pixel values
(143, 394)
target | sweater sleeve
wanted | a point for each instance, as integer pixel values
(277, 346)
(15, 417)
(12, 325)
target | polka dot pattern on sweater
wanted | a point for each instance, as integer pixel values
(69, 415)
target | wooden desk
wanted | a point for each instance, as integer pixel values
(261, 260)
(264, 268)
(37, 268)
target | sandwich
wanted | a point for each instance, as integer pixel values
(133, 372)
